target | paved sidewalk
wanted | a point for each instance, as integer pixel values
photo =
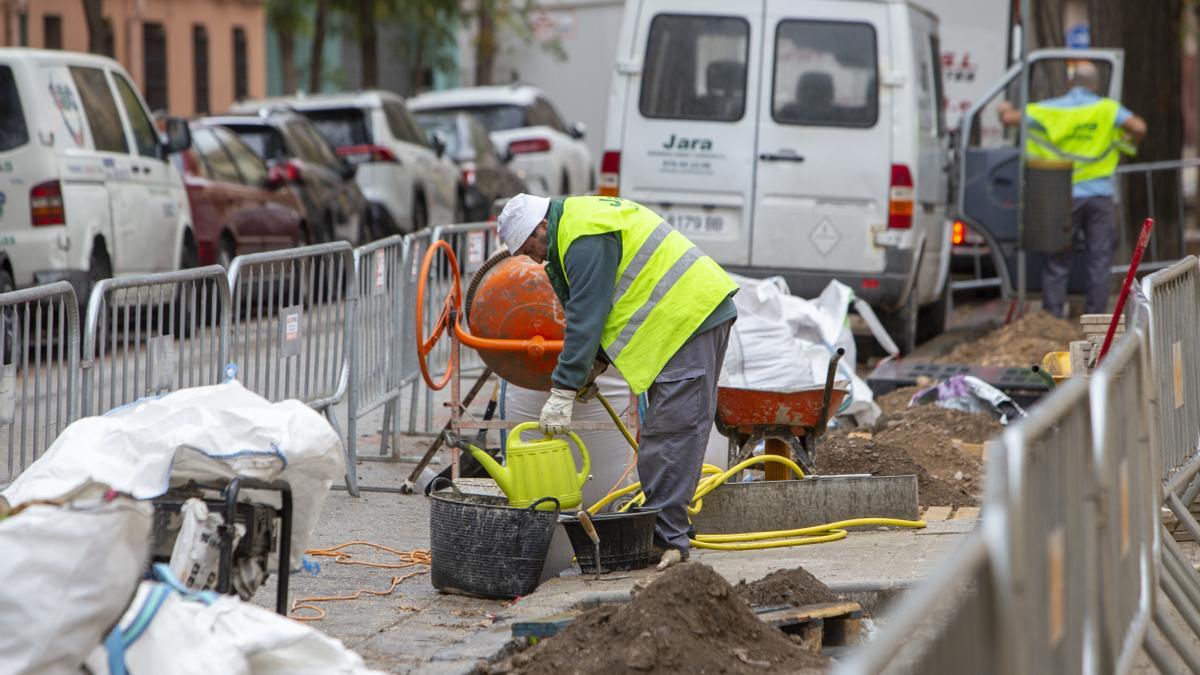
(417, 629)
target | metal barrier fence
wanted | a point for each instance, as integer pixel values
(1157, 204)
(949, 626)
(410, 371)
(39, 381)
(154, 334)
(1127, 472)
(291, 329)
(1050, 577)
(1172, 304)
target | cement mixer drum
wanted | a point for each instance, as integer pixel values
(512, 300)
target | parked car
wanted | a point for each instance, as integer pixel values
(523, 123)
(804, 139)
(86, 191)
(406, 178)
(334, 207)
(484, 175)
(238, 204)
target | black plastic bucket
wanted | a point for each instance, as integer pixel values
(626, 540)
(485, 548)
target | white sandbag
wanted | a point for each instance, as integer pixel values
(196, 556)
(201, 433)
(69, 573)
(201, 634)
(783, 342)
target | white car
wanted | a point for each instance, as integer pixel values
(86, 191)
(525, 127)
(406, 178)
(804, 139)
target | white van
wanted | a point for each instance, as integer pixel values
(86, 191)
(803, 138)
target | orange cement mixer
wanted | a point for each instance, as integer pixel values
(513, 319)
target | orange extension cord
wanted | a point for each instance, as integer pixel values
(418, 556)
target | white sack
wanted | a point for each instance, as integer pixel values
(782, 342)
(201, 433)
(69, 572)
(221, 634)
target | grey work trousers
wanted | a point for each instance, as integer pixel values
(1095, 232)
(679, 417)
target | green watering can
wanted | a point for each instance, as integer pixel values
(537, 469)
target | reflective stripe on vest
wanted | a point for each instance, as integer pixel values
(665, 286)
(1086, 135)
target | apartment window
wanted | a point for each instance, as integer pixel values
(241, 87)
(154, 55)
(200, 68)
(52, 36)
(23, 30)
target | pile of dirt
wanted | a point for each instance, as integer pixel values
(1021, 343)
(688, 620)
(929, 434)
(842, 454)
(785, 587)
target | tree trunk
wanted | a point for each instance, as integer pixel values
(366, 44)
(485, 41)
(1050, 78)
(1149, 33)
(97, 28)
(315, 63)
(416, 80)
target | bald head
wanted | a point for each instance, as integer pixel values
(1086, 75)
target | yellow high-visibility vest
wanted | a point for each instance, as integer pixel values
(1086, 135)
(665, 287)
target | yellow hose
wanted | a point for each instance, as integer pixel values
(713, 476)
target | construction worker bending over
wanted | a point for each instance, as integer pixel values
(641, 296)
(1086, 129)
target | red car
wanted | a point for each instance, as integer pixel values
(238, 205)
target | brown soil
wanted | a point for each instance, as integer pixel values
(838, 454)
(928, 433)
(785, 587)
(1021, 343)
(688, 620)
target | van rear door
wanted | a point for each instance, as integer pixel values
(690, 120)
(822, 169)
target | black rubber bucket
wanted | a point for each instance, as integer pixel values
(626, 540)
(485, 548)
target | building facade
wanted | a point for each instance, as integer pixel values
(189, 57)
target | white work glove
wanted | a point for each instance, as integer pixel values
(556, 414)
(670, 558)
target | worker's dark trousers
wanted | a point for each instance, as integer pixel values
(1095, 233)
(679, 417)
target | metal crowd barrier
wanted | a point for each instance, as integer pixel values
(291, 326)
(1160, 209)
(377, 338)
(154, 334)
(410, 370)
(39, 380)
(1127, 473)
(1172, 304)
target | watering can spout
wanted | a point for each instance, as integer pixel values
(498, 473)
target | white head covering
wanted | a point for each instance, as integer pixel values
(519, 218)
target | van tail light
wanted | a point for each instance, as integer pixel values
(46, 204)
(285, 172)
(529, 145)
(468, 174)
(359, 154)
(610, 174)
(959, 234)
(900, 198)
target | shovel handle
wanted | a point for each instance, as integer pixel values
(586, 521)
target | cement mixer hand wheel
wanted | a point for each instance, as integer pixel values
(452, 302)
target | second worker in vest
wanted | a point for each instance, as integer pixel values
(641, 296)
(1087, 129)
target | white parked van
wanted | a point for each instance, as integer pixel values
(803, 138)
(86, 191)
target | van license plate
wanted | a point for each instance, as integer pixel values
(696, 222)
